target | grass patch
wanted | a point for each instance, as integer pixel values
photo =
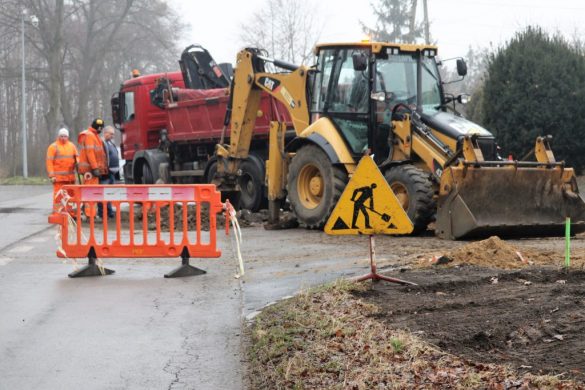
(328, 338)
(396, 344)
(20, 180)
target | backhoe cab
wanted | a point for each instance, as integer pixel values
(388, 100)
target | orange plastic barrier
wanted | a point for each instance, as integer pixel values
(123, 237)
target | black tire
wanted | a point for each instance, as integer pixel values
(251, 185)
(313, 203)
(414, 189)
(211, 171)
(147, 176)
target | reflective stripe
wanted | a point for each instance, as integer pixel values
(97, 147)
(63, 172)
(59, 157)
(83, 164)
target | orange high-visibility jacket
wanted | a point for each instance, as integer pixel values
(61, 158)
(92, 153)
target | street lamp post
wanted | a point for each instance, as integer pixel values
(34, 20)
(23, 106)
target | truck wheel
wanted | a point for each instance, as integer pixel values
(415, 192)
(251, 185)
(211, 172)
(147, 177)
(314, 186)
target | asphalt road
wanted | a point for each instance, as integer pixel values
(135, 329)
(23, 212)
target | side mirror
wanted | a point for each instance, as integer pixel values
(360, 61)
(461, 67)
(115, 103)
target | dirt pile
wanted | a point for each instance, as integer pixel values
(492, 252)
(246, 218)
(178, 216)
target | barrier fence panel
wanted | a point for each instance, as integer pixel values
(157, 224)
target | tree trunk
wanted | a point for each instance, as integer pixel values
(55, 61)
(427, 27)
(412, 22)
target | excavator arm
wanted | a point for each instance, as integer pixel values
(251, 79)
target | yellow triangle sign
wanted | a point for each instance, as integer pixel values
(368, 205)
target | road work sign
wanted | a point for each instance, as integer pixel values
(368, 205)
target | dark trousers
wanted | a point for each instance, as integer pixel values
(108, 179)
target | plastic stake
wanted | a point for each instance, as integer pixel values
(567, 242)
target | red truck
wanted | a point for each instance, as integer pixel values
(171, 122)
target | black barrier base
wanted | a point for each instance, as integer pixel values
(91, 269)
(185, 269)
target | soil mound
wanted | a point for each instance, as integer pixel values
(492, 252)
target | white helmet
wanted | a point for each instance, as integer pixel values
(63, 131)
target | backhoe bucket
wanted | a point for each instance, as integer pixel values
(508, 201)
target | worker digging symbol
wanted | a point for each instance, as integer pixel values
(384, 215)
(367, 192)
(359, 205)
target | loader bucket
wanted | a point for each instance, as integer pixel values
(508, 201)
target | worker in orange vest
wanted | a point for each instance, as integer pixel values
(93, 159)
(61, 160)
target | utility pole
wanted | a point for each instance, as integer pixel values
(23, 105)
(34, 20)
(427, 29)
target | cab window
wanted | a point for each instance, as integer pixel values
(350, 92)
(128, 106)
(322, 78)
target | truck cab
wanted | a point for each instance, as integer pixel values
(140, 123)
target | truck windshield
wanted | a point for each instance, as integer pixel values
(396, 75)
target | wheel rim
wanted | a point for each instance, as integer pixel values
(310, 186)
(401, 194)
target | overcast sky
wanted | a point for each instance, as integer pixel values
(455, 24)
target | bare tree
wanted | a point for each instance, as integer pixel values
(288, 30)
(75, 59)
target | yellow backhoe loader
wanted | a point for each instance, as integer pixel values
(388, 100)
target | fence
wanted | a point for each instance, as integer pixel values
(151, 209)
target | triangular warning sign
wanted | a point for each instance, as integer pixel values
(368, 205)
